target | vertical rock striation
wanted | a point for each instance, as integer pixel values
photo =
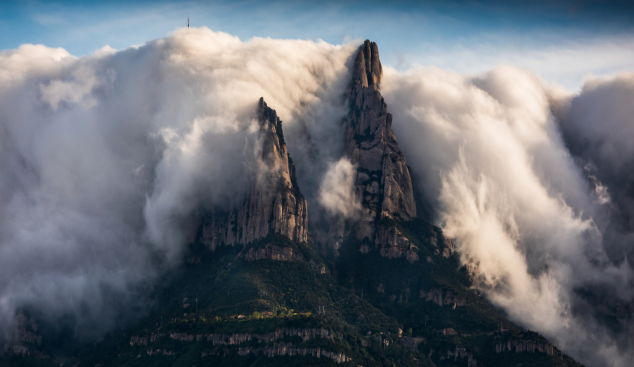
(383, 184)
(274, 202)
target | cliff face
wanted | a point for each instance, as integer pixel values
(24, 339)
(274, 202)
(383, 184)
(262, 340)
(531, 346)
(273, 252)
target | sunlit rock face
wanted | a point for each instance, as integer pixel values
(274, 202)
(383, 184)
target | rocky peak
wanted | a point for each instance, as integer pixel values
(383, 184)
(367, 66)
(274, 202)
(274, 150)
(277, 167)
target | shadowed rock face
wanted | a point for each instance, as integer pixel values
(274, 202)
(273, 252)
(383, 184)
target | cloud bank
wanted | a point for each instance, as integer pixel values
(337, 190)
(106, 158)
(528, 217)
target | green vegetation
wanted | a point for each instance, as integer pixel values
(402, 283)
(362, 301)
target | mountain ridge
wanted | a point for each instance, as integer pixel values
(389, 290)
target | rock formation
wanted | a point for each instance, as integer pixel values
(23, 338)
(531, 346)
(412, 342)
(273, 252)
(276, 349)
(383, 183)
(274, 202)
(288, 349)
(442, 298)
(395, 244)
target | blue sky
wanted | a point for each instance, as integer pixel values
(562, 41)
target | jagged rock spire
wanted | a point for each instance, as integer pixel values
(383, 183)
(367, 66)
(274, 202)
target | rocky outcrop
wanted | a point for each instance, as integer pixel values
(381, 341)
(383, 184)
(521, 345)
(159, 352)
(288, 349)
(26, 330)
(446, 298)
(448, 247)
(274, 202)
(138, 340)
(237, 339)
(283, 349)
(273, 252)
(16, 349)
(394, 244)
(459, 352)
(412, 342)
(403, 296)
(276, 253)
(434, 295)
(23, 337)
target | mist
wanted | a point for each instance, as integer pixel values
(107, 158)
(530, 219)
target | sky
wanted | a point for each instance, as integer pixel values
(561, 41)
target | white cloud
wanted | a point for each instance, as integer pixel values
(507, 188)
(106, 158)
(337, 189)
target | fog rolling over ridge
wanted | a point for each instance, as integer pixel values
(534, 224)
(107, 158)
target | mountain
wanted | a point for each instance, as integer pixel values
(385, 288)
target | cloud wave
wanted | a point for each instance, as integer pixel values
(107, 158)
(527, 217)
